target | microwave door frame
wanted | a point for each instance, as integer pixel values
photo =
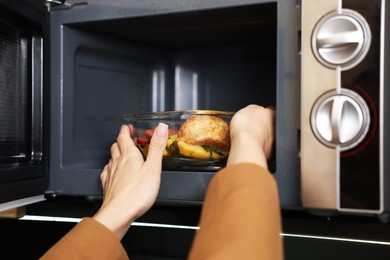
(27, 184)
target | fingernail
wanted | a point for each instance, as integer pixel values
(162, 130)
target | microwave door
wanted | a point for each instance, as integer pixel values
(23, 93)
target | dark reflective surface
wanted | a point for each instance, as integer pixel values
(306, 236)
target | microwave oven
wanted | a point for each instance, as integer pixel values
(322, 65)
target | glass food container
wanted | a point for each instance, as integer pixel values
(197, 139)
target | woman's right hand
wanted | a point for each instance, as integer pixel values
(252, 135)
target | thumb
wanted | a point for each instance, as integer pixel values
(158, 144)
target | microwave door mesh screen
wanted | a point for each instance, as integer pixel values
(13, 98)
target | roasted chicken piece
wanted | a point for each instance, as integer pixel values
(204, 136)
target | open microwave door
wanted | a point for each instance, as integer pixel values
(23, 107)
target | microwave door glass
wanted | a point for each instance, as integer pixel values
(19, 96)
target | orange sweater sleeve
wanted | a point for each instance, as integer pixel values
(240, 217)
(89, 239)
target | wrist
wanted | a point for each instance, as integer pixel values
(245, 148)
(114, 220)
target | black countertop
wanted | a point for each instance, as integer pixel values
(306, 236)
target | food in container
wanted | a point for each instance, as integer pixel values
(197, 139)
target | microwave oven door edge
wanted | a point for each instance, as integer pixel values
(24, 93)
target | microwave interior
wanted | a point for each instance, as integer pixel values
(219, 60)
(216, 59)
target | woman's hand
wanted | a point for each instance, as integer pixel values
(252, 134)
(130, 184)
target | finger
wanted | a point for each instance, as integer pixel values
(124, 139)
(103, 177)
(115, 158)
(110, 166)
(157, 145)
(131, 129)
(103, 174)
(115, 153)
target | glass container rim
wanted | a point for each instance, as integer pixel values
(176, 113)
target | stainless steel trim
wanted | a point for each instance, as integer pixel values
(21, 202)
(318, 180)
(381, 105)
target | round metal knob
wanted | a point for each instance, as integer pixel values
(341, 39)
(340, 119)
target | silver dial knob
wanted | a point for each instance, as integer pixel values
(340, 119)
(341, 39)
